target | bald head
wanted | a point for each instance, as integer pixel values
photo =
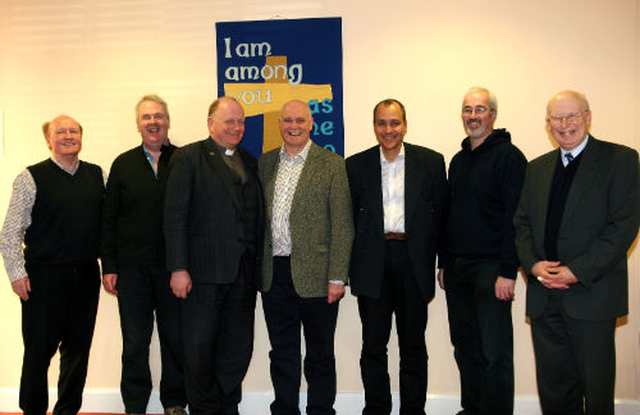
(297, 105)
(295, 124)
(578, 98)
(46, 125)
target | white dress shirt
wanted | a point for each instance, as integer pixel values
(393, 192)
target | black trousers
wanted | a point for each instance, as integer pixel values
(142, 292)
(575, 362)
(59, 314)
(285, 313)
(482, 336)
(218, 328)
(399, 294)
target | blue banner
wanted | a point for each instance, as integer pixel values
(264, 64)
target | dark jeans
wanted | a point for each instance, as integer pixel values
(143, 291)
(482, 336)
(575, 362)
(399, 294)
(285, 312)
(218, 322)
(60, 313)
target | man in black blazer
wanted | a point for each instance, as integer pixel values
(577, 217)
(213, 216)
(398, 192)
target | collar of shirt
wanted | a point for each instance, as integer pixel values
(302, 155)
(71, 171)
(150, 159)
(575, 152)
(224, 150)
(400, 156)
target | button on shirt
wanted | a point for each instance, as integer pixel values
(289, 170)
(393, 192)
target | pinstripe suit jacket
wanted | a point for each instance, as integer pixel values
(204, 232)
(320, 222)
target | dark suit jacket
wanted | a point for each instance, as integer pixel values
(425, 199)
(203, 219)
(599, 224)
(319, 222)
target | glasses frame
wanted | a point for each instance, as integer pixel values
(571, 118)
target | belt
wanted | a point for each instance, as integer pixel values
(395, 236)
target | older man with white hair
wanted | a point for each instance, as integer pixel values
(577, 218)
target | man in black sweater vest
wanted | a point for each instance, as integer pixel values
(576, 219)
(55, 211)
(478, 256)
(133, 265)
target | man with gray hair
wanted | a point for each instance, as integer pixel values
(576, 220)
(478, 258)
(50, 243)
(133, 262)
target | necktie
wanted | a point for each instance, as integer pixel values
(569, 157)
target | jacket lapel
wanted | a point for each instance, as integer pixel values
(271, 161)
(373, 179)
(413, 176)
(544, 189)
(308, 171)
(583, 180)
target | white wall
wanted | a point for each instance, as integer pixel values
(93, 59)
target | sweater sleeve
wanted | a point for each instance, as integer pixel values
(513, 179)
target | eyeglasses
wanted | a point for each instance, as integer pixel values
(479, 110)
(571, 118)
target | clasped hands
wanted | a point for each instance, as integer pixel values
(552, 275)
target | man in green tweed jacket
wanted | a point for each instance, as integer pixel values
(307, 246)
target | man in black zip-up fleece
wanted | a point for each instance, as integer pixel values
(478, 259)
(133, 263)
(55, 211)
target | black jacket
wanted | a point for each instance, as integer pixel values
(132, 216)
(425, 199)
(485, 186)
